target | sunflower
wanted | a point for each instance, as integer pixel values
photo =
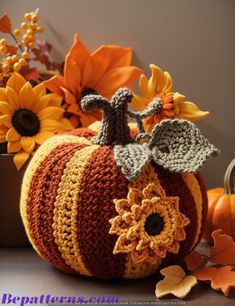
(28, 117)
(103, 72)
(148, 224)
(174, 104)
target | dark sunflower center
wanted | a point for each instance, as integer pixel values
(154, 224)
(88, 91)
(26, 122)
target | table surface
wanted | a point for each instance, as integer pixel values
(24, 273)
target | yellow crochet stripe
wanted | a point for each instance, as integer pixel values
(66, 209)
(194, 187)
(36, 161)
(140, 270)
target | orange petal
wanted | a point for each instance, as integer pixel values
(87, 74)
(69, 97)
(6, 120)
(100, 60)
(20, 158)
(87, 119)
(74, 109)
(119, 56)
(6, 108)
(16, 81)
(78, 53)
(2, 94)
(116, 78)
(139, 103)
(72, 76)
(54, 84)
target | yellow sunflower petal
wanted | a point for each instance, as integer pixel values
(12, 98)
(139, 103)
(39, 90)
(143, 84)
(41, 137)
(6, 108)
(16, 81)
(51, 112)
(51, 126)
(46, 100)
(6, 120)
(190, 111)
(27, 144)
(67, 125)
(2, 94)
(12, 135)
(157, 80)
(26, 96)
(20, 158)
(13, 146)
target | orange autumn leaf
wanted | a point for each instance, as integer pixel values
(221, 278)
(194, 261)
(5, 24)
(176, 282)
(223, 252)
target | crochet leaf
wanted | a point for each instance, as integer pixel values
(131, 158)
(176, 282)
(222, 278)
(223, 251)
(179, 146)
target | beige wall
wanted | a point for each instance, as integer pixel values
(192, 39)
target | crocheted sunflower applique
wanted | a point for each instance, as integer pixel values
(148, 225)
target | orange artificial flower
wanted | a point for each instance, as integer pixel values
(174, 104)
(103, 72)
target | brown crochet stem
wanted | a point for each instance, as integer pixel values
(114, 125)
(229, 178)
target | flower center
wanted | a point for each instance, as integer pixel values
(26, 122)
(153, 224)
(88, 91)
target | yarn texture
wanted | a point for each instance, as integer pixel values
(109, 206)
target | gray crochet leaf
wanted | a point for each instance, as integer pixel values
(131, 158)
(179, 146)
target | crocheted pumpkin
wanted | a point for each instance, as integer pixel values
(112, 206)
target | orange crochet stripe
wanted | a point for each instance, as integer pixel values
(41, 201)
(66, 209)
(139, 270)
(195, 189)
(38, 158)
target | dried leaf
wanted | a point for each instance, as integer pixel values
(5, 24)
(11, 50)
(221, 278)
(194, 261)
(175, 282)
(223, 252)
(30, 74)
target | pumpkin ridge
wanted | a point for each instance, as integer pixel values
(37, 159)
(65, 228)
(102, 182)
(41, 202)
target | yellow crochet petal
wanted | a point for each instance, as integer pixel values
(20, 158)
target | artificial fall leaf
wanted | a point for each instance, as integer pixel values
(5, 24)
(221, 278)
(223, 251)
(176, 282)
(30, 74)
(194, 261)
(11, 49)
